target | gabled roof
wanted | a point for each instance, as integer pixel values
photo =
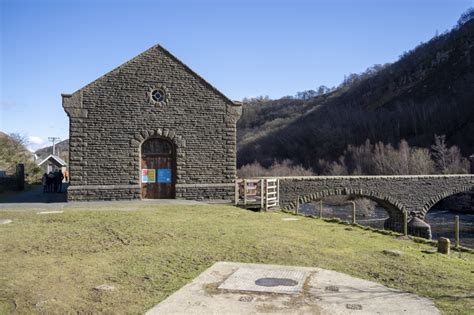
(54, 157)
(171, 56)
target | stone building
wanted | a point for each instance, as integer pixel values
(151, 128)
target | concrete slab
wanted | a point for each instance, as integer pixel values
(5, 221)
(322, 292)
(263, 279)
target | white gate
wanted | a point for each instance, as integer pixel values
(260, 193)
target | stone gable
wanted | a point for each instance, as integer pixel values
(111, 117)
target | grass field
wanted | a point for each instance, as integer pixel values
(51, 263)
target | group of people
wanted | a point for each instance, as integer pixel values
(52, 182)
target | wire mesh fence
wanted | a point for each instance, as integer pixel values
(442, 222)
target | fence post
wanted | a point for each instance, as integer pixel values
(353, 212)
(245, 192)
(236, 192)
(456, 231)
(321, 208)
(278, 192)
(405, 223)
(297, 204)
(262, 201)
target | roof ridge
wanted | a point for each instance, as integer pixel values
(193, 73)
(170, 55)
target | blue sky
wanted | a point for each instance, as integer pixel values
(244, 48)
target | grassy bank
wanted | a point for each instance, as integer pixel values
(51, 263)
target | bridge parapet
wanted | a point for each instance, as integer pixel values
(415, 194)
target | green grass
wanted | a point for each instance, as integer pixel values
(51, 263)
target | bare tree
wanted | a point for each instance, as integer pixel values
(440, 153)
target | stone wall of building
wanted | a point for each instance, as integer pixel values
(111, 117)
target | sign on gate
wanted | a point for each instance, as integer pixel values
(148, 175)
(164, 175)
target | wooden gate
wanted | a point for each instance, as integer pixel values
(158, 175)
(258, 193)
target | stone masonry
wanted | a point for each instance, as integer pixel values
(111, 117)
(414, 194)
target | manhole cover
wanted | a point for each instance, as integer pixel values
(272, 280)
(357, 307)
(332, 288)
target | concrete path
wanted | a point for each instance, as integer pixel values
(35, 199)
(34, 194)
(237, 288)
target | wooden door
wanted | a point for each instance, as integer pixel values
(158, 169)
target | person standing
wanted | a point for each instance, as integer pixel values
(44, 180)
(50, 182)
(59, 179)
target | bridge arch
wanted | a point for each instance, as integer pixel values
(393, 207)
(443, 195)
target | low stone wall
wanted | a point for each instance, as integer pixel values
(103, 192)
(225, 191)
(222, 191)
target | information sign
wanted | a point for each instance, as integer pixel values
(144, 176)
(148, 175)
(164, 175)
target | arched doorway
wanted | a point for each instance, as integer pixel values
(158, 169)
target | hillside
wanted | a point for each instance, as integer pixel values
(428, 91)
(62, 149)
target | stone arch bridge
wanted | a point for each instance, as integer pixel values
(413, 194)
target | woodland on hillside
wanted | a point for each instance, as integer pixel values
(429, 91)
(13, 151)
(375, 159)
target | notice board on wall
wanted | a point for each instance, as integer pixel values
(164, 175)
(148, 175)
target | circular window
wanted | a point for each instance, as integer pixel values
(158, 95)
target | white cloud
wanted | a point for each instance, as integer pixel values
(35, 143)
(35, 140)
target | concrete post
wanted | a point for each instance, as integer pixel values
(405, 223)
(297, 204)
(444, 245)
(353, 212)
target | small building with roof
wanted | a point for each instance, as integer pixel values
(53, 163)
(151, 128)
